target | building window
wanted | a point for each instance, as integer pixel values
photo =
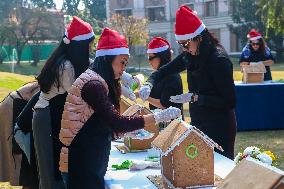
(211, 8)
(155, 14)
(124, 12)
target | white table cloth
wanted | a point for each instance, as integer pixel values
(125, 179)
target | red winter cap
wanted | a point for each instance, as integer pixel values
(188, 25)
(111, 43)
(254, 35)
(78, 30)
(158, 44)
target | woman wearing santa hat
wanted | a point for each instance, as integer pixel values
(159, 54)
(91, 115)
(210, 80)
(68, 61)
(257, 51)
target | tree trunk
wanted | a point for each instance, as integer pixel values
(19, 55)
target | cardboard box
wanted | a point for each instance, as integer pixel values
(252, 174)
(253, 73)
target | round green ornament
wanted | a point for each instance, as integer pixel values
(194, 154)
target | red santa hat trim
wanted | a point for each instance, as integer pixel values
(253, 35)
(111, 43)
(188, 25)
(158, 44)
(78, 30)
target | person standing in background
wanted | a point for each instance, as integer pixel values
(257, 51)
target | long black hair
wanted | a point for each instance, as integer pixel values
(103, 66)
(165, 57)
(77, 52)
(208, 44)
(262, 46)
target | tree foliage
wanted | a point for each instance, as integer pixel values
(272, 14)
(134, 29)
(248, 14)
(97, 8)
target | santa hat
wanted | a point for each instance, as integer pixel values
(188, 25)
(111, 43)
(253, 35)
(157, 45)
(78, 30)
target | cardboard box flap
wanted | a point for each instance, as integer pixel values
(252, 174)
(254, 68)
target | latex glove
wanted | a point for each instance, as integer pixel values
(24, 141)
(128, 93)
(183, 98)
(167, 115)
(145, 91)
(139, 165)
(127, 79)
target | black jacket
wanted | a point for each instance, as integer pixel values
(211, 78)
(169, 86)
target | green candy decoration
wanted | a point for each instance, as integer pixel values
(124, 165)
(194, 154)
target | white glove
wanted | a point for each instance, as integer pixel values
(127, 79)
(183, 98)
(167, 115)
(145, 91)
(24, 141)
(127, 93)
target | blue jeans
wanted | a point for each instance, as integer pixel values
(65, 178)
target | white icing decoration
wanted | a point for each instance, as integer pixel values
(191, 128)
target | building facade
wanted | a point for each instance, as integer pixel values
(216, 15)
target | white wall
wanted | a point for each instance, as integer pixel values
(138, 9)
(225, 38)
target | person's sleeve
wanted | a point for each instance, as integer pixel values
(24, 120)
(171, 88)
(269, 55)
(68, 75)
(177, 65)
(243, 57)
(95, 94)
(222, 75)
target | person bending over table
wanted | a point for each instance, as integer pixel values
(91, 115)
(257, 51)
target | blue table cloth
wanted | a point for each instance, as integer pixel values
(260, 106)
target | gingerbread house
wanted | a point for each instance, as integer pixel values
(187, 156)
(253, 73)
(137, 144)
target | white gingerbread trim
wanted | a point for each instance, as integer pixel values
(208, 140)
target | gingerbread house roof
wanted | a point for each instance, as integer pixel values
(175, 133)
(254, 68)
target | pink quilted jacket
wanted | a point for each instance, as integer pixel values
(76, 113)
